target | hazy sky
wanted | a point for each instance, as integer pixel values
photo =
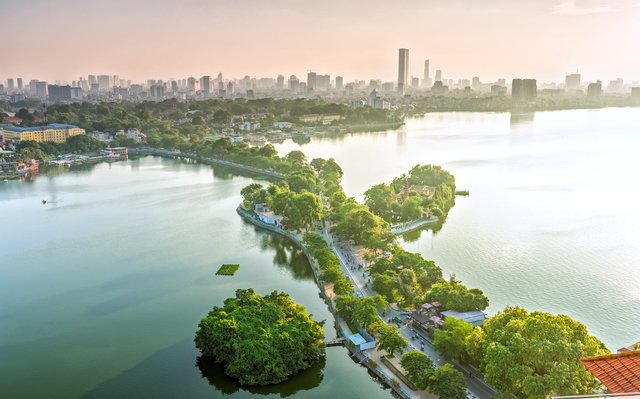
(160, 39)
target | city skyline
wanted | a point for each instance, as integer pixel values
(496, 39)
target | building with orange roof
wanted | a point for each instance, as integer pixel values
(619, 372)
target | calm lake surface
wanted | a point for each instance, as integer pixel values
(553, 219)
(101, 289)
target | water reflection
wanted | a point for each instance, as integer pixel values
(304, 381)
(522, 118)
(287, 254)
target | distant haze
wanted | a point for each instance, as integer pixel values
(358, 39)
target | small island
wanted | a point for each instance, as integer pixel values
(228, 269)
(261, 340)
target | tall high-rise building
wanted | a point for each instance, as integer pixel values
(10, 85)
(105, 82)
(403, 70)
(280, 83)
(311, 80)
(524, 90)
(205, 84)
(323, 82)
(294, 83)
(426, 80)
(191, 84)
(20, 86)
(415, 82)
(339, 83)
(572, 82)
(594, 89)
(157, 91)
(59, 93)
(438, 75)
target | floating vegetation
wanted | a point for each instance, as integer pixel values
(228, 269)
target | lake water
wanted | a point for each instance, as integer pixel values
(102, 288)
(552, 222)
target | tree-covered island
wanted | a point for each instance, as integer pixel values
(261, 340)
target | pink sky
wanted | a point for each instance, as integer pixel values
(358, 39)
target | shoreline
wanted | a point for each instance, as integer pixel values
(341, 326)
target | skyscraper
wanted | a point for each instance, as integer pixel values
(10, 85)
(426, 80)
(205, 84)
(59, 93)
(403, 70)
(594, 89)
(280, 83)
(311, 80)
(438, 75)
(339, 83)
(524, 90)
(191, 84)
(105, 82)
(572, 82)
(20, 87)
(294, 83)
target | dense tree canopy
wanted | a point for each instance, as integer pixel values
(426, 190)
(450, 340)
(447, 383)
(405, 277)
(456, 296)
(534, 355)
(418, 367)
(261, 339)
(328, 263)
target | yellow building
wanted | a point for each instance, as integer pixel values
(55, 132)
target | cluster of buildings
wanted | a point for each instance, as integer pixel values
(430, 316)
(131, 134)
(54, 133)
(113, 87)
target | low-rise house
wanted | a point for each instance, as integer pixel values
(266, 215)
(282, 125)
(475, 318)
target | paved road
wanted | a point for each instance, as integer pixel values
(350, 262)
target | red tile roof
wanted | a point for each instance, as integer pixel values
(619, 372)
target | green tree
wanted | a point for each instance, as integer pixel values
(261, 340)
(253, 194)
(418, 367)
(447, 383)
(456, 296)
(534, 355)
(318, 164)
(380, 199)
(297, 157)
(365, 311)
(451, 339)
(389, 339)
(221, 117)
(268, 151)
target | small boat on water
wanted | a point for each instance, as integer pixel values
(276, 136)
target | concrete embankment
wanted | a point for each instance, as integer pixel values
(206, 160)
(398, 229)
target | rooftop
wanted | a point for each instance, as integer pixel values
(19, 129)
(619, 372)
